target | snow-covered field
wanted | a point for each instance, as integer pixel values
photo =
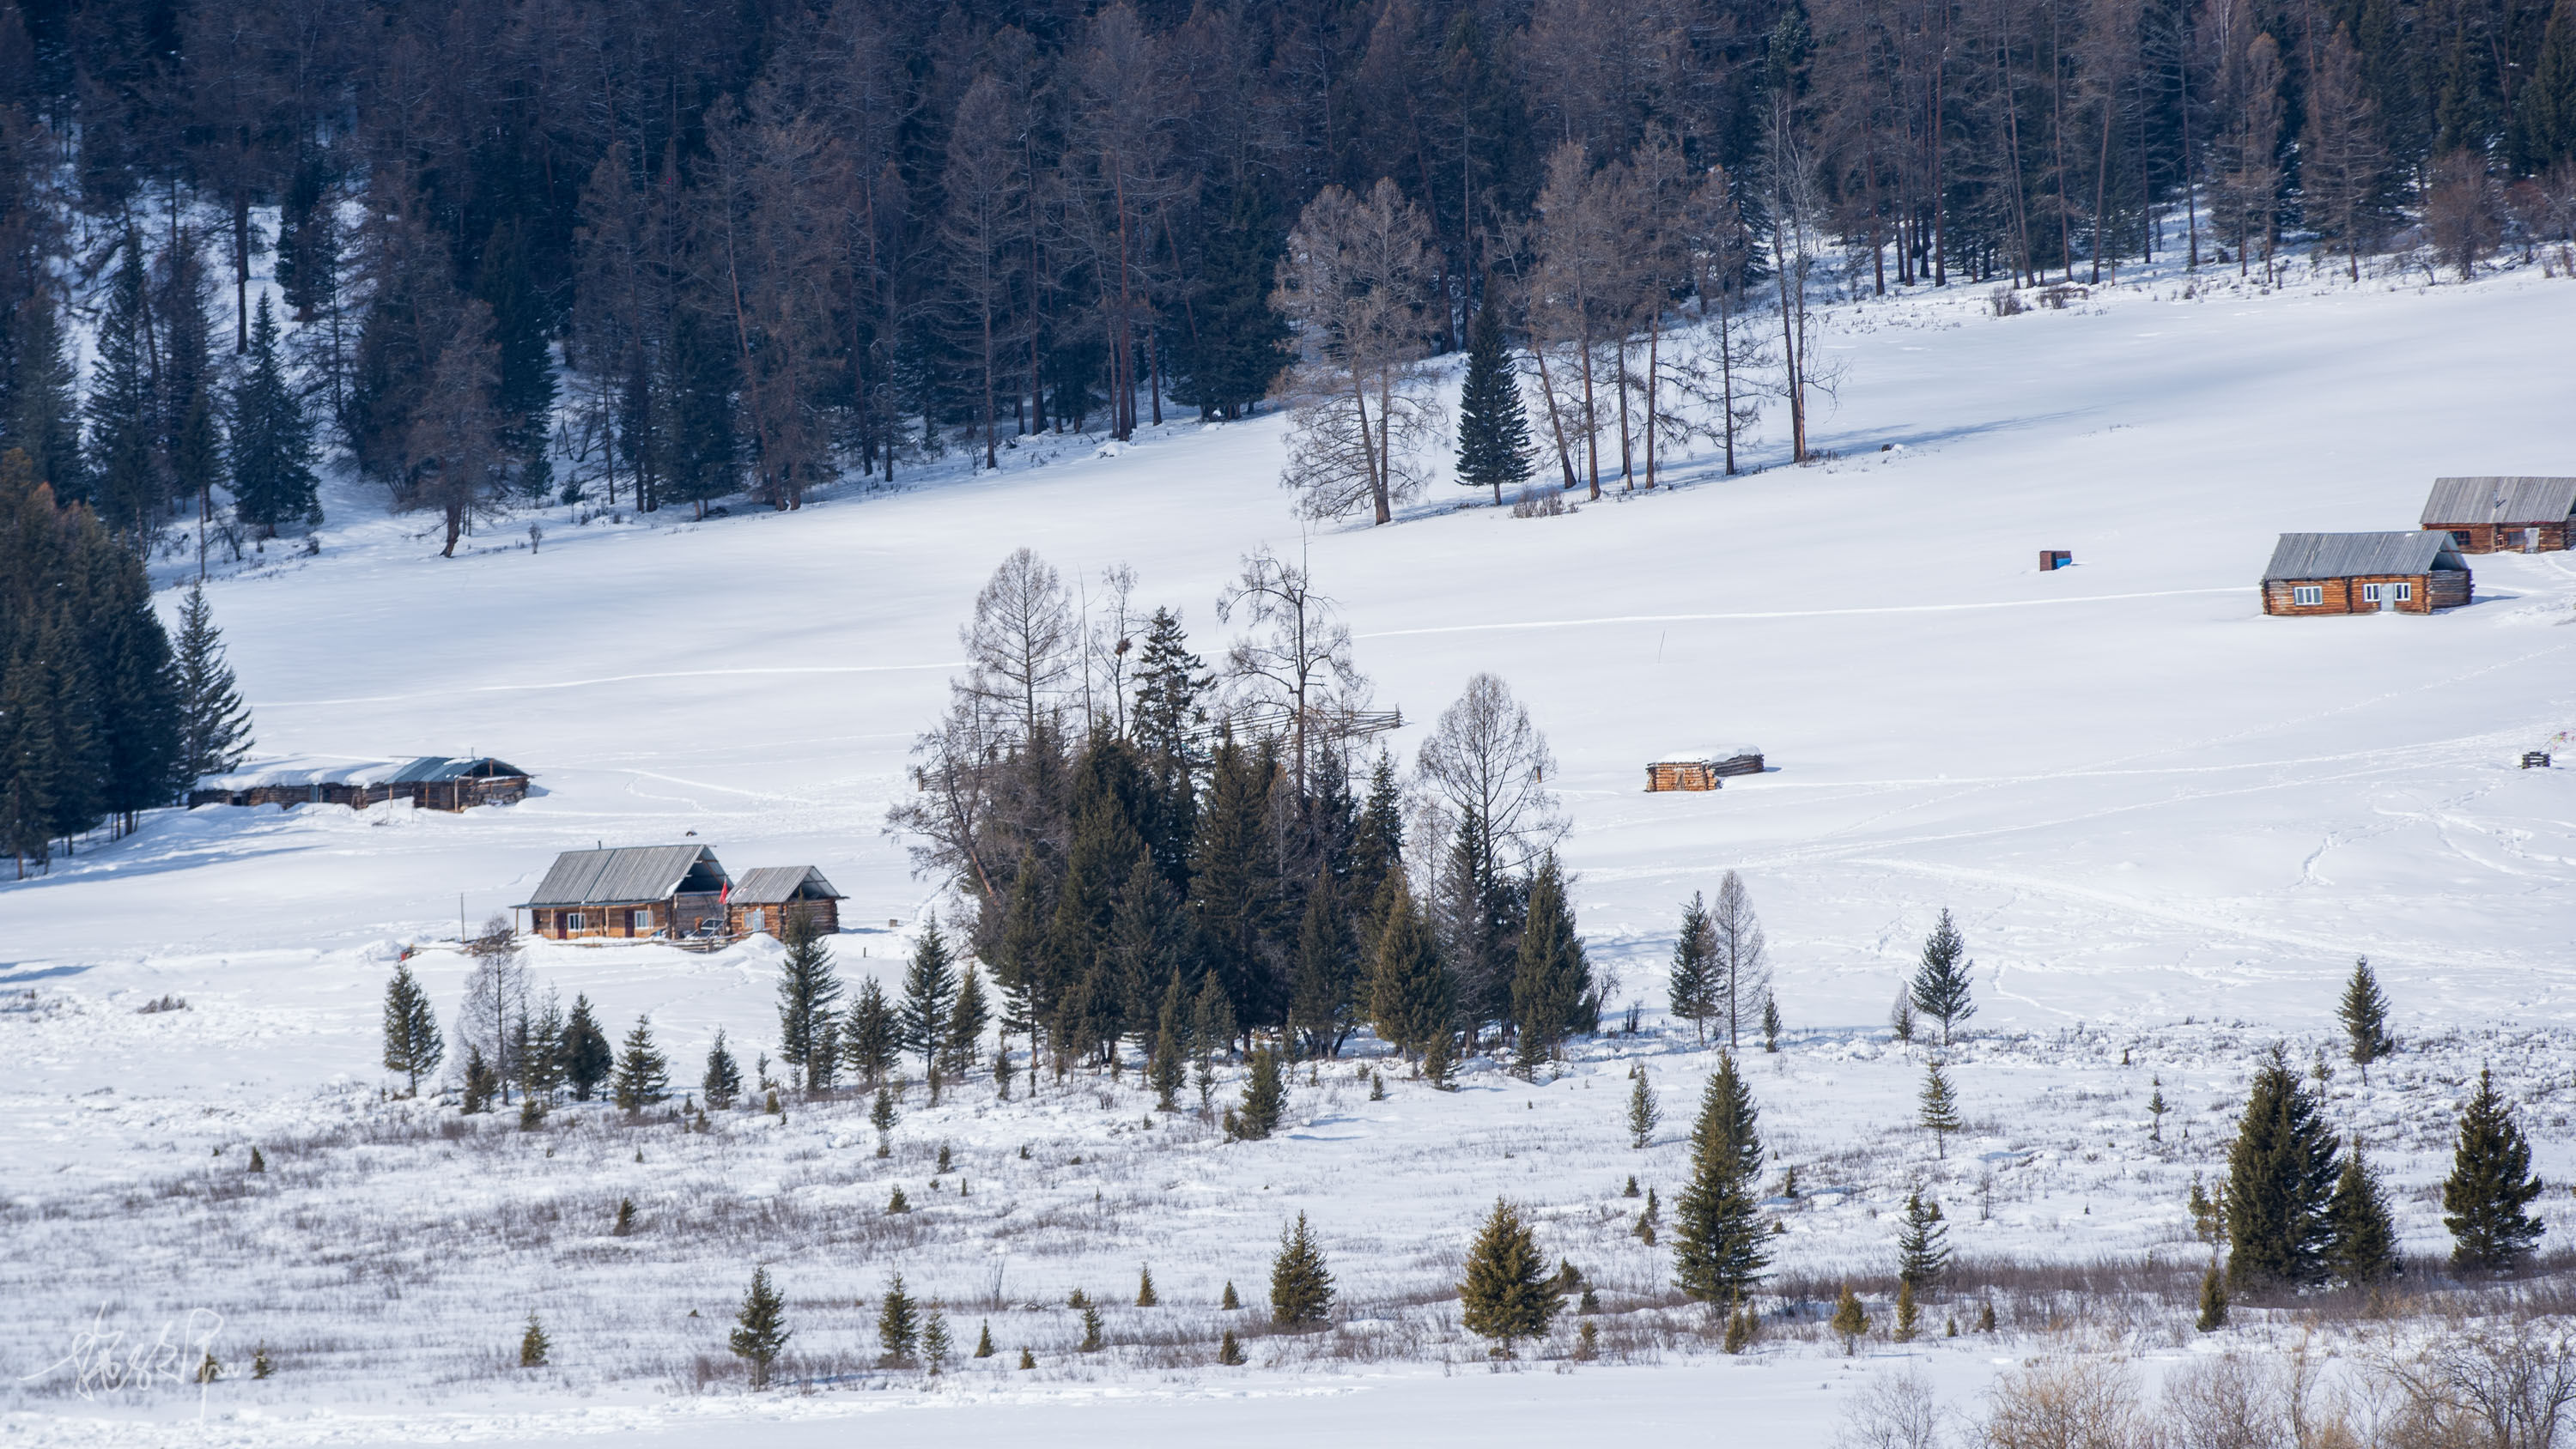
(2166, 824)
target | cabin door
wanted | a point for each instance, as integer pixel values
(2531, 540)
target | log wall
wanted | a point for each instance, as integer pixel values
(2441, 589)
(2505, 537)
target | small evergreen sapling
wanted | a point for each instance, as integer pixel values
(1229, 1352)
(1145, 1288)
(1940, 1108)
(935, 1347)
(1231, 1299)
(1091, 1339)
(257, 1162)
(760, 1329)
(898, 1203)
(882, 1116)
(1943, 978)
(533, 1346)
(209, 1368)
(898, 1324)
(1265, 1097)
(1923, 1246)
(722, 1083)
(1906, 1312)
(1508, 1294)
(2213, 1301)
(1643, 1113)
(625, 1224)
(1770, 1023)
(1028, 1360)
(2156, 1110)
(984, 1339)
(413, 1045)
(261, 1366)
(2490, 1185)
(643, 1076)
(1986, 1316)
(1301, 1287)
(1901, 1014)
(1850, 1320)
(480, 1083)
(1587, 1343)
(2365, 1237)
(943, 1157)
(2364, 1014)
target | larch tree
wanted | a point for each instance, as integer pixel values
(1486, 759)
(1740, 959)
(1022, 642)
(1354, 284)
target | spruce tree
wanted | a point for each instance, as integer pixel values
(1493, 427)
(1145, 1296)
(1643, 1114)
(413, 1045)
(1850, 1320)
(1229, 1352)
(898, 1324)
(1508, 1294)
(1265, 1096)
(881, 1116)
(1168, 1067)
(808, 991)
(2281, 1173)
(722, 1084)
(587, 1057)
(984, 1339)
(1552, 983)
(1770, 1023)
(1923, 1245)
(125, 487)
(1237, 342)
(1942, 980)
(2364, 1013)
(760, 1329)
(2213, 1301)
(1323, 980)
(214, 724)
(1692, 980)
(1718, 1236)
(871, 1035)
(43, 417)
(533, 1345)
(2364, 1235)
(271, 450)
(1940, 1114)
(643, 1077)
(967, 1019)
(929, 999)
(935, 1346)
(1301, 1287)
(2490, 1185)
(480, 1082)
(1411, 999)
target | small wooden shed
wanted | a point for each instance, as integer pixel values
(631, 893)
(2364, 573)
(1703, 771)
(2503, 514)
(768, 897)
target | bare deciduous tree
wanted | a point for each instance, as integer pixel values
(496, 1001)
(1485, 758)
(1743, 959)
(1353, 284)
(1023, 640)
(1892, 1411)
(1298, 661)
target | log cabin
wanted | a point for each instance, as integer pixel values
(1703, 771)
(2364, 573)
(2503, 515)
(631, 893)
(429, 782)
(768, 897)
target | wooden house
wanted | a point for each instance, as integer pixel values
(768, 897)
(631, 893)
(2503, 515)
(1703, 771)
(2364, 573)
(429, 782)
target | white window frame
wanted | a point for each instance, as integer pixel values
(2405, 591)
(642, 920)
(573, 921)
(2370, 593)
(2303, 596)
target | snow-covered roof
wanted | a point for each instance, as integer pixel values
(776, 885)
(1700, 757)
(307, 770)
(2344, 555)
(2499, 500)
(625, 875)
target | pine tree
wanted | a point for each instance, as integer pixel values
(1169, 1066)
(413, 1045)
(1770, 1023)
(1850, 1320)
(2364, 1013)
(2213, 1301)
(125, 487)
(984, 1339)
(929, 999)
(935, 1347)
(1940, 1113)
(1301, 1287)
(1552, 984)
(1692, 981)
(1265, 1097)
(214, 724)
(587, 1057)
(1923, 1246)
(481, 1082)
(1643, 1114)
(643, 1077)
(1717, 1248)
(808, 990)
(1411, 999)
(1943, 979)
(898, 1324)
(871, 1035)
(966, 1022)
(1092, 1342)
(2281, 1172)
(1508, 1294)
(1229, 1352)
(1493, 427)
(722, 1084)
(1324, 977)
(533, 1344)
(271, 450)
(760, 1330)
(2490, 1185)
(2364, 1235)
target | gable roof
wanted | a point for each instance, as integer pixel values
(2499, 500)
(776, 885)
(304, 770)
(622, 875)
(2343, 555)
(438, 768)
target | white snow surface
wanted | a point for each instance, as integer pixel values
(2165, 823)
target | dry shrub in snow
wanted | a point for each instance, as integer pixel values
(2497, 1389)
(1896, 1411)
(2067, 1400)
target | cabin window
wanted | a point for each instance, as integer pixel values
(2402, 593)
(2306, 594)
(2370, 593)
(755, 920)
(2462, 538)
(643, 921)
(573, 921)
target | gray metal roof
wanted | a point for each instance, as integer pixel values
(2344, 555)
(626, 875)
(776, 885)
(2456, 501)
(432, 769)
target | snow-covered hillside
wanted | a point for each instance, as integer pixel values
(2166, 823)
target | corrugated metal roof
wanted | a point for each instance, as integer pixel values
(2343, 555)
(776, 885)
(622, 875)
(431, 769)
(299, 770)
(2499, 500)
